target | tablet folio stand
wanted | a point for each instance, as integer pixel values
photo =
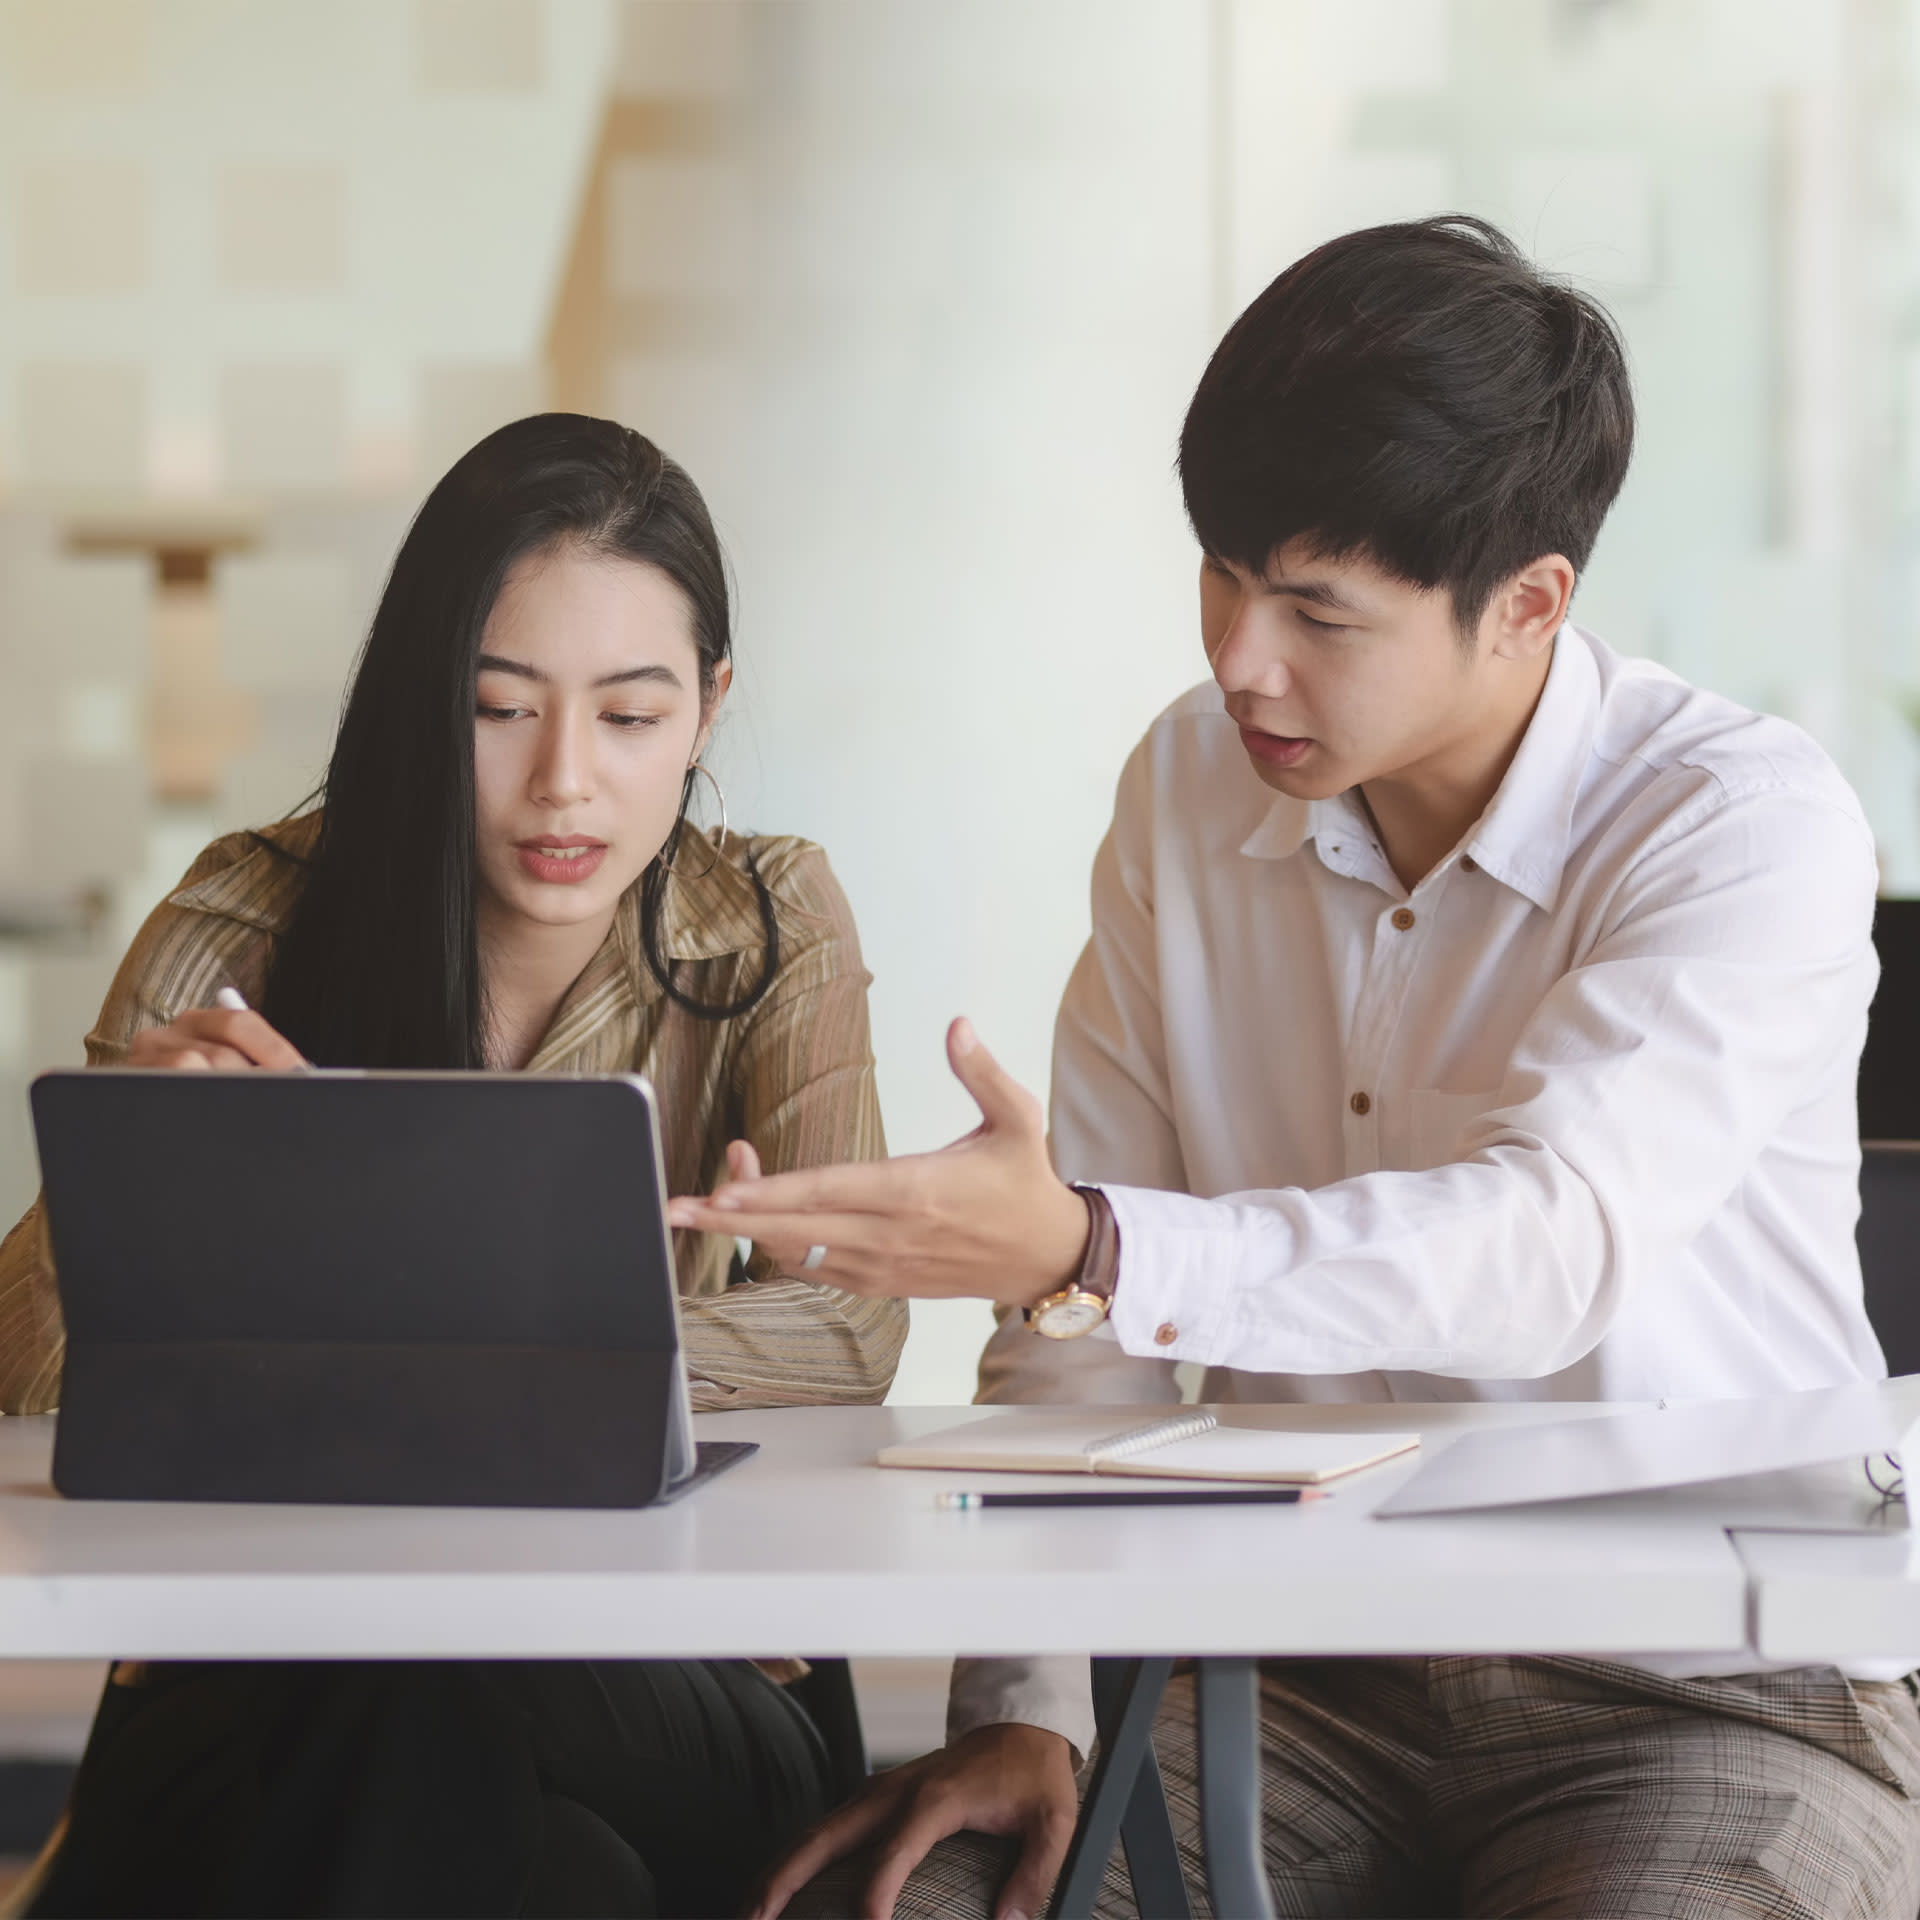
(448, 1290)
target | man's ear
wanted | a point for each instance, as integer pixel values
(1530, 608)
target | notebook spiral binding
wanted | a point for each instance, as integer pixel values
(1160, 1433)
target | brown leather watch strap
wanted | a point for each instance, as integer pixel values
(1100, 1265)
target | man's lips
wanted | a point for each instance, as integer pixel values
(561, 859)
(1275, 749)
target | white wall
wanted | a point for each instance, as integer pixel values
(942, 455)
(250, 243)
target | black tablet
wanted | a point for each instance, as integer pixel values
(412, 1288)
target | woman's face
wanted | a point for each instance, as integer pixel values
(587, 715)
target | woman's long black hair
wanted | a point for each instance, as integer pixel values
(379, 965)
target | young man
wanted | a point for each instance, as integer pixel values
(1469, 1013)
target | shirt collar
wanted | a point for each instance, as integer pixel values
(1522, 838)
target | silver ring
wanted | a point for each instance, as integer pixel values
(816, 1256)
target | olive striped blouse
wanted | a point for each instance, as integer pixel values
(794, 1075)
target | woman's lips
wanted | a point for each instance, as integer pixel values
(563, 862)
(1274, 749)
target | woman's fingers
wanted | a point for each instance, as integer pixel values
(215, 1037)
(243, 1032)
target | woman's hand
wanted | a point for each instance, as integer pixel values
(213, 1038)
(1011, 1779)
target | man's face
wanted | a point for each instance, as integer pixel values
(1338, 674)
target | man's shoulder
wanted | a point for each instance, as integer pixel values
(1658, 730)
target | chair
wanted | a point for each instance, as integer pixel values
(1890, 1064)
(828, 1696)
(1889, 1240)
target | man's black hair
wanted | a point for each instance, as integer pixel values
(1418, 395)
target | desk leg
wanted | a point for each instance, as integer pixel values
(1229, 1707)
(1128, 1695)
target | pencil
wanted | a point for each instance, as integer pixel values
(1212, 1497)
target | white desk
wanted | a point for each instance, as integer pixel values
(807, 1548)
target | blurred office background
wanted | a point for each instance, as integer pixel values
(917, 290)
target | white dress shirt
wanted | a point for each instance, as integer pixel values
(1573, 1119)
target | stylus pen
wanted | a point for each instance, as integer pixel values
(233, 1000)
(1231, 1497)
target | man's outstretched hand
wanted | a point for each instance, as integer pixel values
(986, 1217)
(1012, 1779)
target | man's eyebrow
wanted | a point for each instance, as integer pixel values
(499, 663)
(1322, 593)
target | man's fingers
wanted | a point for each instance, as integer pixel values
(835, 1837)
(1003, 1102)
(1033, 1875)
(923, 1830)
(874, 1186)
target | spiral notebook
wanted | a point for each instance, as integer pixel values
(1186, 1446)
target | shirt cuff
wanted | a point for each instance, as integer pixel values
(1053, 1691)
(1179, 1269)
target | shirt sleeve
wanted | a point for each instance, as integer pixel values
(1726, 984)
(1054, 1692)
(803, 1081)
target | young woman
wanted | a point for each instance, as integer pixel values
(503, 875)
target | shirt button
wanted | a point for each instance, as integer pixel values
(1360, 1103)
(1468, 864)
(1165, 1334)
(1403, 918)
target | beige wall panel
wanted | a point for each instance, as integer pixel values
(287, 761)
(82, 227)
(676, 227)
(65, 992)
(690, 405)
(287, 620)
(84, 821)
(83, 425)
(19, 1167)
(66, 621)
(283, 428)
(99, 719)
(479, 46)
(461, 404)
(283, 229)
(682, 47)
(78, 48)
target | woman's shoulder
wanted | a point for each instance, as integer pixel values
(725, 886)
(253, 876)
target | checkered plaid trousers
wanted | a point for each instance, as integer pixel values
(1536, 1787)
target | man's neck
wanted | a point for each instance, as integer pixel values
(528, 969)
(1424, 811)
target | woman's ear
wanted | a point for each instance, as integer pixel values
(712, 700)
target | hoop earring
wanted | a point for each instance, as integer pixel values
(719, 794)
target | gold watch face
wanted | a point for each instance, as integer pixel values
(1068, 1316)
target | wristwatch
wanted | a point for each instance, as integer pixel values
(1084, 1301)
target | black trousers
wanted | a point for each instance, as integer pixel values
(426, 1788)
